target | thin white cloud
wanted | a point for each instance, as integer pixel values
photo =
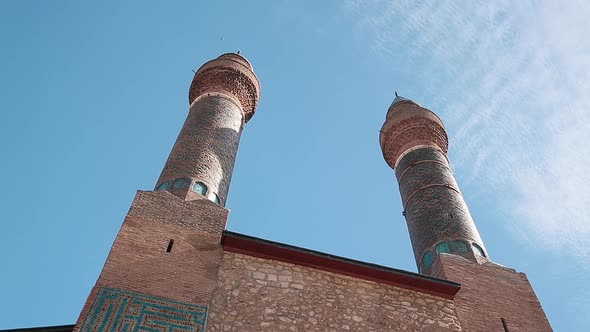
(518, 105)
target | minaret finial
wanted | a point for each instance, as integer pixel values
(239, 51)
(396, 93)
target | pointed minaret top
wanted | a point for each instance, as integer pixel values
(399, 98)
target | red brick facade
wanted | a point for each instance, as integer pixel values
(174, 267)
(141, 258)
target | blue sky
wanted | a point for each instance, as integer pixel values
(93, 97)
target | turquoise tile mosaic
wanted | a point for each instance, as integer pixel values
(118, 310)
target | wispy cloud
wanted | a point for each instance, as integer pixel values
(518, 105)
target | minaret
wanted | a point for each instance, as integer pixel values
(414, 143)
(223, 97)
(162, 268)
(445, 240)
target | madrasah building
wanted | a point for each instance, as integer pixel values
(174, 267)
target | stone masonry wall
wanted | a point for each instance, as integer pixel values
(255, 294)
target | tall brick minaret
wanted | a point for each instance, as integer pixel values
(223, 97)
(162, 268)
(414, 144)
(445, 240)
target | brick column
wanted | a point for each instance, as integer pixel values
(414, 144)
(162, 268)
(223, 97)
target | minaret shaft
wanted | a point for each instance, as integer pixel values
(414, 144)
(223, 96)
(206, 148)
(438, 218)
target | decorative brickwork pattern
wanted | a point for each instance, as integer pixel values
(206, 147)
(408, 125)
(255, 294)
(229, 74)
(434, 207)
(118, 310)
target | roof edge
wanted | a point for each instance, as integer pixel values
(56, 328)
(253, 246)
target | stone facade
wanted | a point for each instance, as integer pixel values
(256, 294)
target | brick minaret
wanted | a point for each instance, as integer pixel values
(445, 240)
(414, 144)
(223, 97)
(162, 268)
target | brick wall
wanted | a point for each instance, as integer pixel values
(256, 294)
(490, 292)
(139, 262)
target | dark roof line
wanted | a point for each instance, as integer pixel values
(57, 328)
(253, 246)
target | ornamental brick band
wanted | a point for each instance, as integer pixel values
(230, 74)
(408, 125)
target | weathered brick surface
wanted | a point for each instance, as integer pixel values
(434, 207)
(223, 96)
(229, 74)
(490, 292)
(408, 125)
(139, 261)
(206, 147)
(255, 294)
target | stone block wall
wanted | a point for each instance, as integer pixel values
(256, 294)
